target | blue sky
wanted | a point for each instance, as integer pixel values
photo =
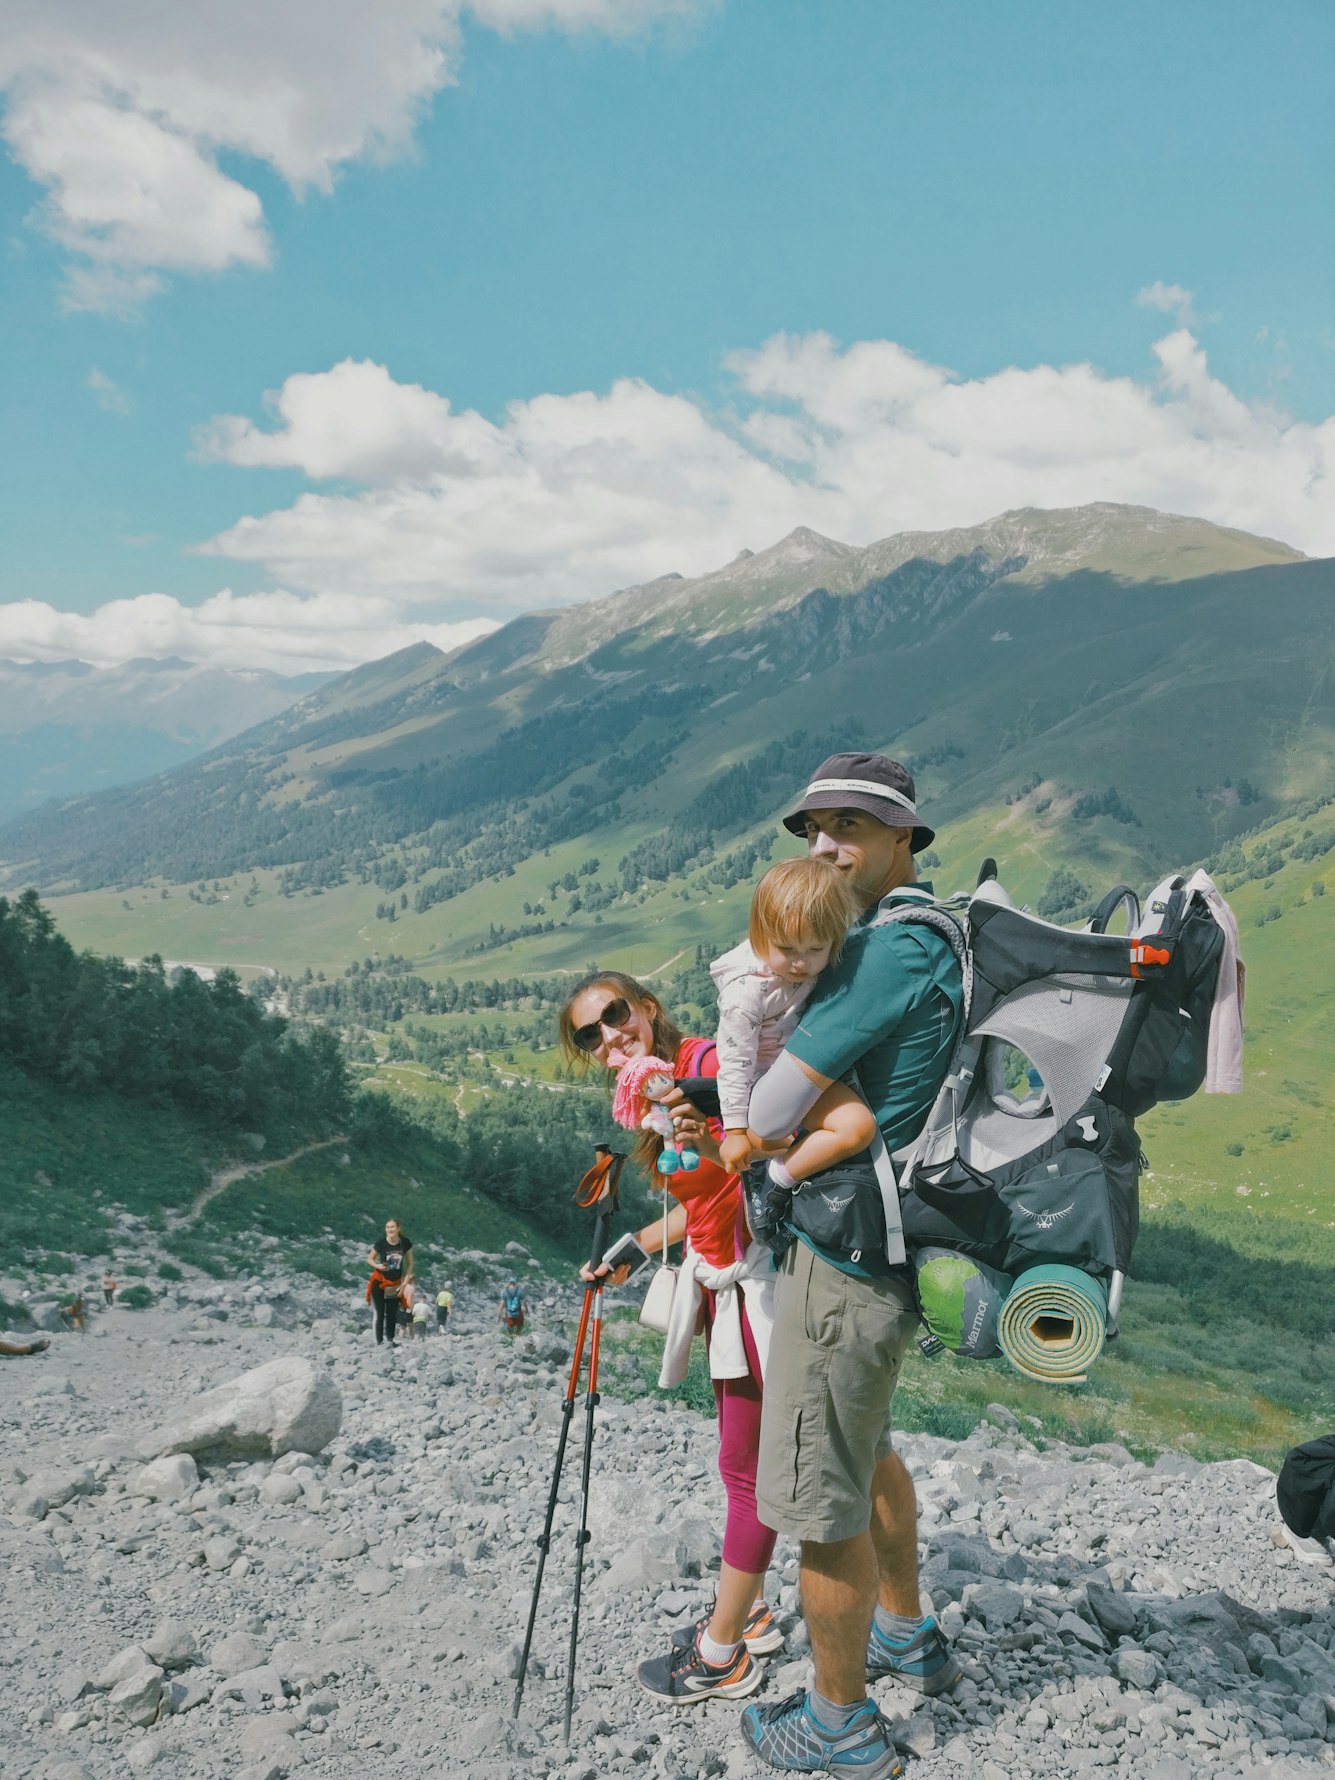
(982, 186)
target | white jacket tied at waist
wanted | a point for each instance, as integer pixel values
(754, 1274)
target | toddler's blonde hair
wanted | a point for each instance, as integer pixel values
(802, 902)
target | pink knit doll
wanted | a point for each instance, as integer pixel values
(641, 1084)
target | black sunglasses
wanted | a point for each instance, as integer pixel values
(588, 1038)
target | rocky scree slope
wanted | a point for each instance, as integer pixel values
(349, 1611)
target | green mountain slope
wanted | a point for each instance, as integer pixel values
(1104, 689)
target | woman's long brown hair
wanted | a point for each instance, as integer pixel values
(667, 1038)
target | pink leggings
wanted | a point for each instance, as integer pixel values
(747, 1545)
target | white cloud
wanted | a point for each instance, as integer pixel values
(127, 191)
(568, 496)
(107, 394)
(353, 421)
(564, 498)
(119, 112)
(282, 631)
(571, 496)
(1168, 299)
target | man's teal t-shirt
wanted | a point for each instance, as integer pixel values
(889, 1009)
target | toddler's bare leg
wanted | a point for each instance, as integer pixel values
(838, 1126)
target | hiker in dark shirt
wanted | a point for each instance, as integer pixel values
(391, 1260)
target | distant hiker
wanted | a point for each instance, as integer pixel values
(512, 1308)
(71, 1314)
(844, 1317)
(391, 1259)
(609, 1019)
(1305, 1491)
(444, 1305)
(800, 916)
(108, 1288)
(421, 1311)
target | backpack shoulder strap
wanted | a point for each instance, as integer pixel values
(696, 1050)
(950, 920)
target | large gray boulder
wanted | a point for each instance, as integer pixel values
(166, 1480)
(287, 1405)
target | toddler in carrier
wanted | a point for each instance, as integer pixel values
(800, 916)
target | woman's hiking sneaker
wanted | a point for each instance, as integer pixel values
(923, 1660)
(683, 1675)
(1307, 1551)
(788, 1735)
(761, 1632)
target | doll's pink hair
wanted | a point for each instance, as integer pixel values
(628, 1103)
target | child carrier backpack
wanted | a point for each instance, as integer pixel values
(1019, 1199)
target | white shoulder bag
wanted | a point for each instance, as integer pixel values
(656, 1311)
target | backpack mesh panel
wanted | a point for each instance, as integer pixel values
(1066, 1026)
(992, 1139)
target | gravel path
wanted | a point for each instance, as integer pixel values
(357, 1613)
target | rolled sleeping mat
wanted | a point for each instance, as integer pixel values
(961, 1300)
(1053, 1324)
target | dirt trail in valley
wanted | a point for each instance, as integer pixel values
(226, 1177)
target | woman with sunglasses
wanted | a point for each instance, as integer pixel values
(608, 1019)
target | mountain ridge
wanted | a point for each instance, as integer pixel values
(450, 779)
(789, 567)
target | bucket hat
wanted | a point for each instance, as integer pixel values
(873, 783)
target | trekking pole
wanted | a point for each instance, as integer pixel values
(545, 1537)
(600, 1188)
(582, 1537)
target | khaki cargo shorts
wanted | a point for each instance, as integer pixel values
(833, 1364)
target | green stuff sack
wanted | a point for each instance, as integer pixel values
(961, 1300)
(1053, 1324)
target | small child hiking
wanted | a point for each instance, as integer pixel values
(444, 1305)
(801, 913)
(512, 1308)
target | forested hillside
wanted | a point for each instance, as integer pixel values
(126, 1085)
(85, 1023)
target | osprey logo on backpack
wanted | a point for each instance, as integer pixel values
(835, 1203)
(1046, 1220)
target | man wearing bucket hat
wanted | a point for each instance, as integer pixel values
(844, 1315)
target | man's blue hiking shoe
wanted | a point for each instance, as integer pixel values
(923, 1661)
(788, 1735)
